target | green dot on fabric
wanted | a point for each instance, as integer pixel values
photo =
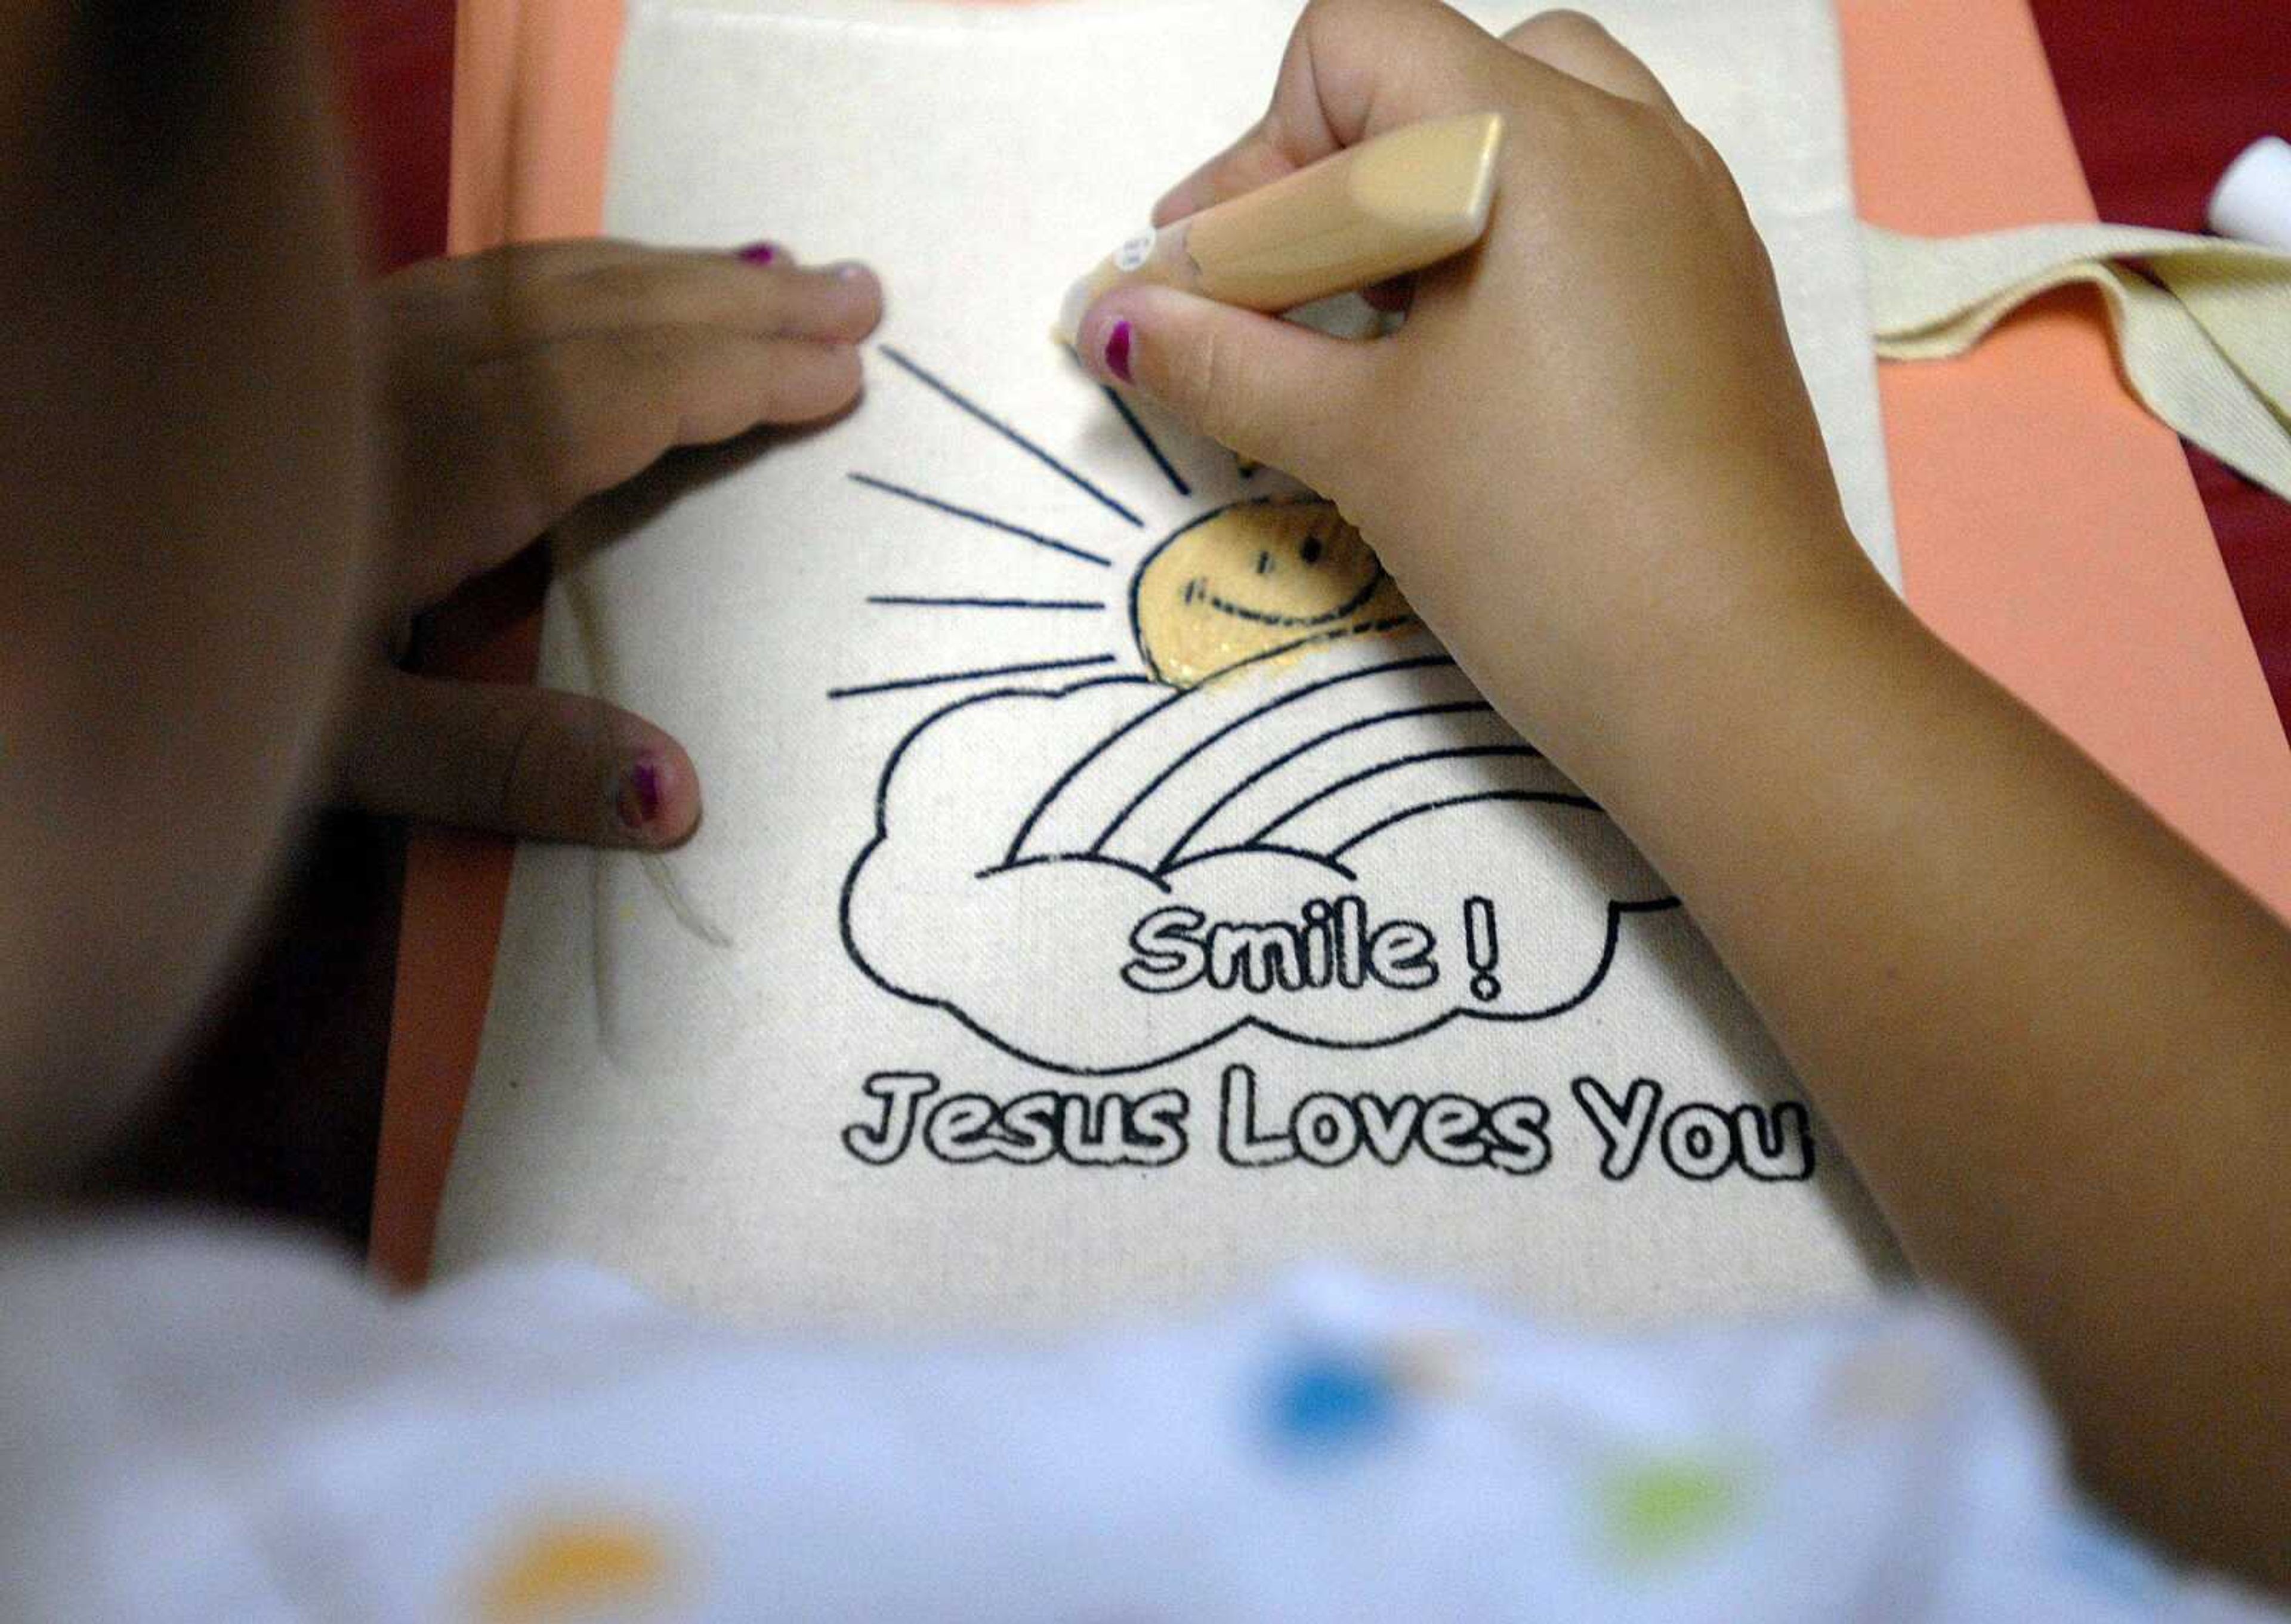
(1659, 1510)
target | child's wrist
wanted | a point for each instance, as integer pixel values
(1652, 625)
(1836, 637)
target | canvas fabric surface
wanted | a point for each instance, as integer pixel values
(897, 1039)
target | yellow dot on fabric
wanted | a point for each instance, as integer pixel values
(1658, 1511)
(571, 1568)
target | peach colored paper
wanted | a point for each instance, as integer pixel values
(533, 83)
(532, 93)
(2048, 528)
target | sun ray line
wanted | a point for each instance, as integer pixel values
(947, 392)
(941, 505)
(1152, 450)
(981, 674)
(911, 601)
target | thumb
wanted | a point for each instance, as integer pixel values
(524, 760)
(1273, 392)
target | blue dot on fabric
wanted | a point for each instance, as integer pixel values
(1322, 1403)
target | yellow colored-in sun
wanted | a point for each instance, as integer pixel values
(1254, 579)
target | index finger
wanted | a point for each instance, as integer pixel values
(1355, 69)
(1579, 47)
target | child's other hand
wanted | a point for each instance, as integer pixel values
(1588, 452)
(514, 385)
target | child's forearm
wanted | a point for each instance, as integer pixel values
(2055, 1040)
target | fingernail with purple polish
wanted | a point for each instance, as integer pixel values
(637, 800)
(1117, 351)
(760, 254)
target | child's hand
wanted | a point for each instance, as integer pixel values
(514, 385)
(1589, 445)
(2049, 1034)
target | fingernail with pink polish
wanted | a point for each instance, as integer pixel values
(1117, 351)
(760, 254)
(637, 799)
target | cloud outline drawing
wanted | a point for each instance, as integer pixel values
(1001, 858)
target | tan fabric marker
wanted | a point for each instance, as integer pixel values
(1397, 204)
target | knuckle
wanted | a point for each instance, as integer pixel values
(798, 379)
(510, 765)
(1335, 20)
(535, 768)
(1617, 132)
(527, 400)
(794, 304)
(1706, 156)
(1642, 123)
(845, 374)
(1204, 384)
(642, 371)
(1679, 158)
(1560, 26)
(629, 291)
(598, 405)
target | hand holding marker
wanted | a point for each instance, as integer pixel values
(1388, 206)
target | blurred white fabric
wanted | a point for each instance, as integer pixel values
(206, 1424)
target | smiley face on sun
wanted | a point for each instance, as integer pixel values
(1235, 578)
(1253, 579)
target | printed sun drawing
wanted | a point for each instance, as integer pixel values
(1273, 803)
(1243, 579)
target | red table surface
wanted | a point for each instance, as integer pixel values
(2160, 99)
(278, 1108)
